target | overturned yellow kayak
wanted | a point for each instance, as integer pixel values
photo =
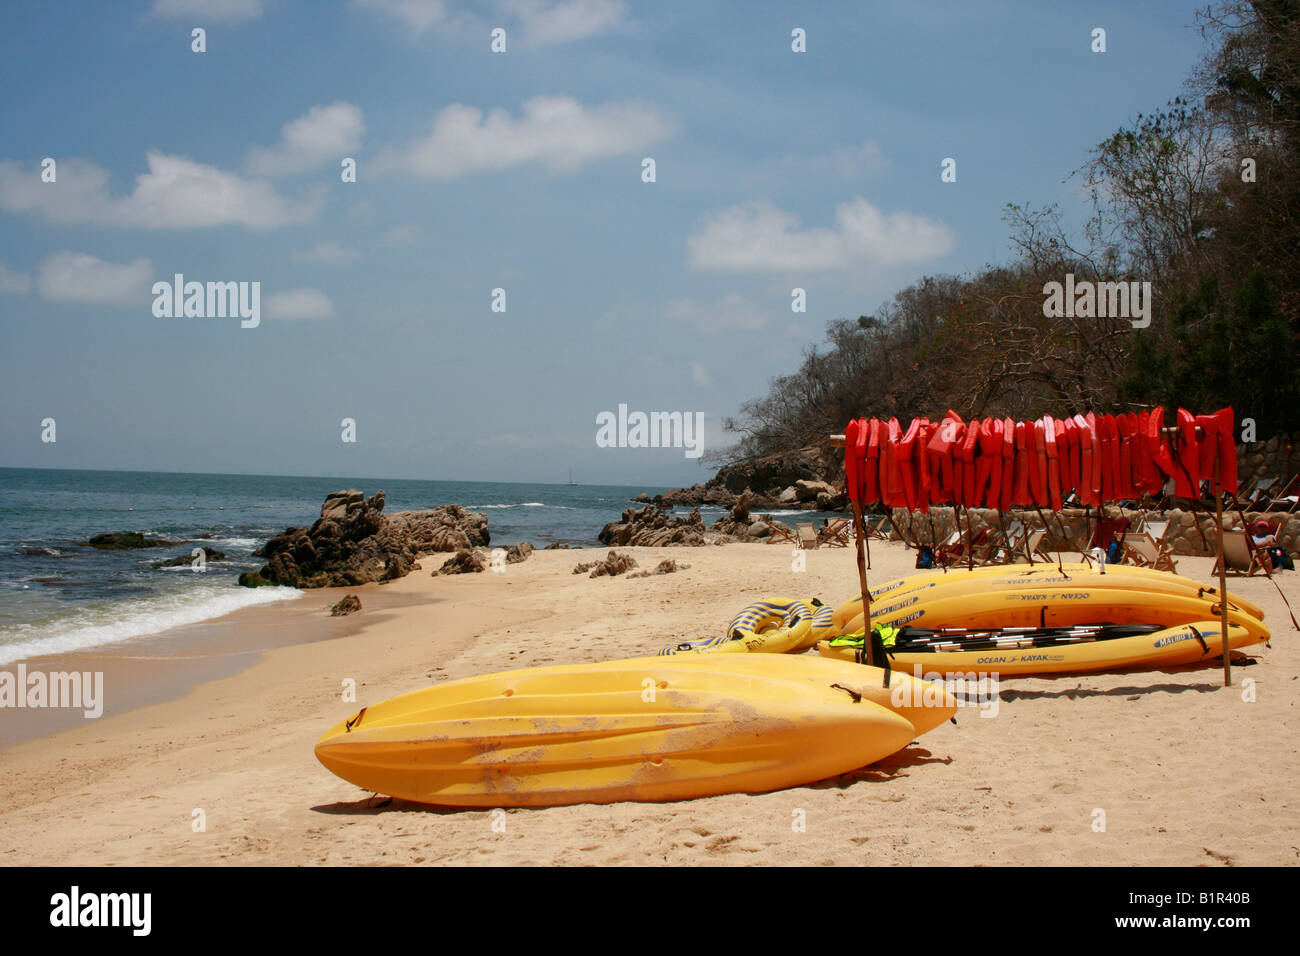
(644, 729)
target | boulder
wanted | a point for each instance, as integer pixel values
(121, 540)
(614, 564)
(209, 554)
(518, 552)
(350, 604)
(466, 561)
(354, 542)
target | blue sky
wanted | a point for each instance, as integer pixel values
(519, 170)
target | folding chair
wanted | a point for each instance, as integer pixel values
(969, 550)
(1241, 555)
(1260, 496)
(1033, 545)
(876, 528)
(779, 532)
(835, 533)
(1145, 552)
(946, 553)
(807, 535)
(1288, 498)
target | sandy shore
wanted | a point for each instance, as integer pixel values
(1186, 772)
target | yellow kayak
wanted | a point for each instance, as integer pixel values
(962, 582)
(644, 729)
(1184, 644)
(1052, 606)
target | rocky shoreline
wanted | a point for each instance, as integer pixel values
(807, 479)
(353, 543)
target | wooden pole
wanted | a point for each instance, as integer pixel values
(1223, 570)
(860, 534)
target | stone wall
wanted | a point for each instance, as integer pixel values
(1275, 458)
(1189, 532)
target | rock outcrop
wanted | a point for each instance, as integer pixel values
(808, 478)
(667, 566)
(354, 542)
(350, 604)
(655, 527)
(614, 564)
(209, 554)
(475, 560)
(466, 561)
(121, 540)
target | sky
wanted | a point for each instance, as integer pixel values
(520, 169)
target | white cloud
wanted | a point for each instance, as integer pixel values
(416, 15)
(729, 313)
(176, 193)
(329, 252)
(324, 134)
(407, 234)
(557, 132)
(700, 375)
(14, 283)
(529, 23)
(542, 23)
(299, 304)
(758, 237)
(81, 278)
(229, 10)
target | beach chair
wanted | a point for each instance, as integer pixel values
(779, 532)
(835, 533)
(1261, 494)
(1033, 547)
(1288, 498)
(1241, 555)
(876, 528)
(806, 534)
(968, 549)
(1144, 551)
(944, 553)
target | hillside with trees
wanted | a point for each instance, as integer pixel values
(1201, 198)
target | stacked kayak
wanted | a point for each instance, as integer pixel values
(1047, 620)
(646, 729)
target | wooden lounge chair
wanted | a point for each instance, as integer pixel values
(876, 528)
(951, 545)
(780, 533)
(1241, 555)
(835, 533)
(1144, 551)
(966, 549)
(1288, 498)
(1033, 547)
(807, 535)
(1262, 494)
(1016, 536)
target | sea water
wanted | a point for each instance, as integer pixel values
(59, 594)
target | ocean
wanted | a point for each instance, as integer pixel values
(58, 594)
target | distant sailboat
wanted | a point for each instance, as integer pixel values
(572, 483)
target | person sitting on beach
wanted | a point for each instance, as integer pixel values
(1261, 535)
